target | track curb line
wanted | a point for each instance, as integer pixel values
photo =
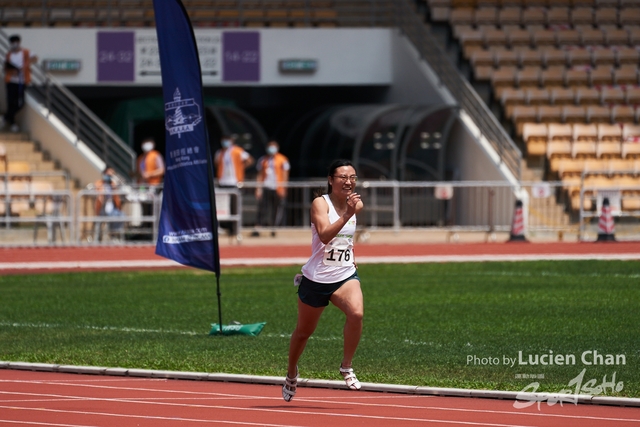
(530, 398)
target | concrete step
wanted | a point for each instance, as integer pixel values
(43, 166)
(10, 136)
(529, 174)
(14, 147)
(29, 157)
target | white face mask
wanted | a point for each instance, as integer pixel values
(147, 146)
(226, 143)
(272, 150)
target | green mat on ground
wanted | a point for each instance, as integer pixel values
(252, 329)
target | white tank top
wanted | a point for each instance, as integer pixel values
(332, 262)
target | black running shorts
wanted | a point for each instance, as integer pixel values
(318, 294)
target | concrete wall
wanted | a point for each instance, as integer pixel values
(414, 82)
(60, 142)
(472, 159)
(344, 56)
(468, 158)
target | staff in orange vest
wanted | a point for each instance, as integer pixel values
(231, 161)
(17, 75)
(150, 164)
(273, 175)
(151, 170)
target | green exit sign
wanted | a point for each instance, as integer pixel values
(62, 65)
(298, 65)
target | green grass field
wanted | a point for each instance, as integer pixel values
(445, 325)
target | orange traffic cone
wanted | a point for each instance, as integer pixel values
(606, 224)
(517, 225)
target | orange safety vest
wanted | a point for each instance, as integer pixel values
(150, 165)
(12, 72)
(236, 158)
(278, 166)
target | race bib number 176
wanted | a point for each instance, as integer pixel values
(338, 253)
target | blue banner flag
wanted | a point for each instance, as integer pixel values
(188, 230)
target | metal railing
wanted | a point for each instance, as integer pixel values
(472, 206)
(29, 199)
(624, 199)
(454, 207)
(39, 208)
(136, 219)
(86, 126)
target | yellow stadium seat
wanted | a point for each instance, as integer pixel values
(585, 132)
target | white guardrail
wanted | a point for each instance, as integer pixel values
(488, 207)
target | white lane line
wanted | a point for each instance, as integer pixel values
(140, 330)
(138, 398)
(409, 259)
(223, 396)
(280, 411)
(98, 328)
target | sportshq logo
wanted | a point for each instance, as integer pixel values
(577, 387)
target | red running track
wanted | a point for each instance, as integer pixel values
(242, 251)
(71, 400)
(227, 253)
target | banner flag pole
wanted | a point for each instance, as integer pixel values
(188, 229)
(188, 226)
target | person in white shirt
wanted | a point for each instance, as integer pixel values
(330, 275)
(231, 161)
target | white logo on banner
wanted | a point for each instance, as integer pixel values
(186, 114)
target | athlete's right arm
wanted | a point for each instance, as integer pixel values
(320, 218)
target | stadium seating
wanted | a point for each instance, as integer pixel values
(565, 74)
(23, 185)
(207, 13)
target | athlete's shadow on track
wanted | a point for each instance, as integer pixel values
(320, 408)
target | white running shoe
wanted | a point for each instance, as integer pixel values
(350, 378)
(290, 387)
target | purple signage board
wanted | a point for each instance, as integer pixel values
(116, 56)
(241, 56)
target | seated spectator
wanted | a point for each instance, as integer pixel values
(107, 203)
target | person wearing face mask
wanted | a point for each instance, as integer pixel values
(273, 175)
(17, 75)
(231, 161)
(151, 170)
(150, 164)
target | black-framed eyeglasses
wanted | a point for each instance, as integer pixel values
(352, 178)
